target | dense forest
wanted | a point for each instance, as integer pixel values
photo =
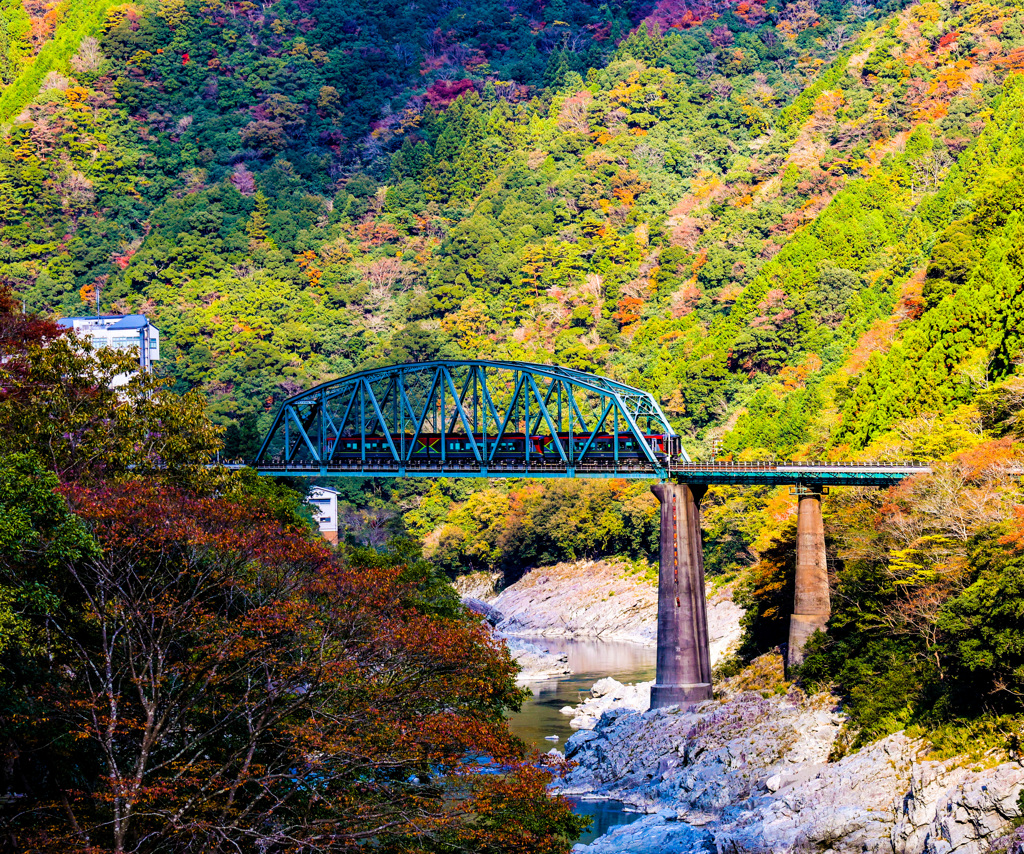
(184, 666)
(797, 223)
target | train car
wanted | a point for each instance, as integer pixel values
(512, 447)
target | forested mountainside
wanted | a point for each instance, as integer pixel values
(701, 200)
(798, 224)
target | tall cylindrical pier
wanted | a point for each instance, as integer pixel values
(811, 603)
(684, 656)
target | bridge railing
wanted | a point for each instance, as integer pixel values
(771, 465)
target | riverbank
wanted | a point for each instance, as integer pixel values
(758, 769)
(602, 599)
(750, 772)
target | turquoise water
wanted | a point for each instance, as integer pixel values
(540, 716)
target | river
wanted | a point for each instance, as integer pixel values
(540, 716)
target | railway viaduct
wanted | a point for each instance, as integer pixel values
(485, 419)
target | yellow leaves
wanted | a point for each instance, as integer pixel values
(931, 558)
(705, 185)
(140, 59)
(927, 12)
(77, 98)
(952, 76)
(981, 12)
(627, 91)
(116, 15)
(25, 149)
(306, 262)
(328, 101)
(174, 12)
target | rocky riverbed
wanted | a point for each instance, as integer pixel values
(750, 772)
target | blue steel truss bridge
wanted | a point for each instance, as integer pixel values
(471, 418)
(476, 418)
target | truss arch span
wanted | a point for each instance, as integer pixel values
(472, 418)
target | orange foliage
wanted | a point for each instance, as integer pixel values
(986, 459)
(877, 339)
(234, 617)
(373, 234)
(630, 310)
(1013, 61)
(1015, 539)
(306, 263)
(795, 376)
(829, 101)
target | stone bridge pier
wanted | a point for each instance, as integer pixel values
(811, 604)
(684, 654)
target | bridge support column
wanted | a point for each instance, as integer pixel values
(684, 655)
(811, 605)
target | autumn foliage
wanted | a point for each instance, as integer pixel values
(209, 681)
(184, 668)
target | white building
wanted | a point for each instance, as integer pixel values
(324, 502)
(119, 332)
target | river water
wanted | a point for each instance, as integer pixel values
(540, 716)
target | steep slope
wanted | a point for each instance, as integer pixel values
(608, 222)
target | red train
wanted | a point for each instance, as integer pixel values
(511, 447)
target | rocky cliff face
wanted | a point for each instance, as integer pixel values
(583, 599)
(751, 774)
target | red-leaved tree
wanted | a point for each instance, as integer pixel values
(213, 682)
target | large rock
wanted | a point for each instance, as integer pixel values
(584, 599)
(537, 664)
(703, 760)
(478, 585)
(608, 694)
(956, 809)
(654, 834)
(485, 610)
(751, 772)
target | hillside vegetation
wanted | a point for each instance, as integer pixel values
(798, 224)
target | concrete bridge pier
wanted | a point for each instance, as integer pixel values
(684, 655)
(811, 605)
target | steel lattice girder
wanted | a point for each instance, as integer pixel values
(475, 400)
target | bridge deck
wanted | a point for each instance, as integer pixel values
(759, 473)
(798, 473)
(627, 469)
